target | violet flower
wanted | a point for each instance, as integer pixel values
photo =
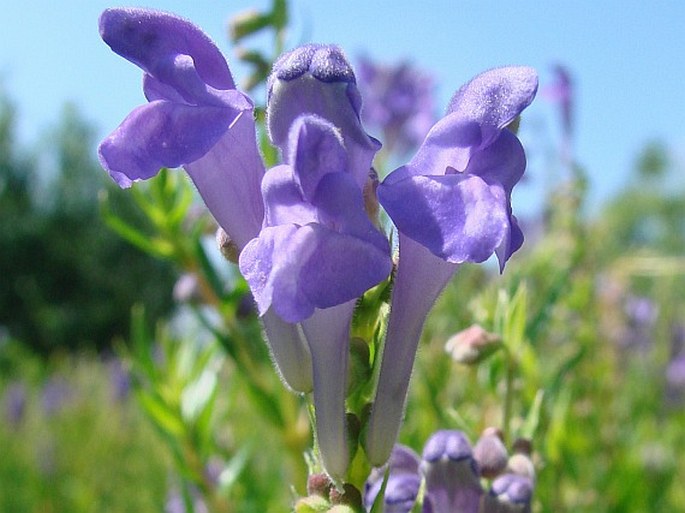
(56, 392)
(195, 118)
(120, 380)
(675, 378)
(318, 248)
(398, 101)
(560, 91)
(451, 472)
(509, 493)
(318, 251)
(451, 204)
(404, 482)
(15, 402)
(447, 468)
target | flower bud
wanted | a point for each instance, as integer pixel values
(319, 484)
(403, 484)
(509, 493)
(523, 446)
(229, 249)
(452, 480)
(349, 496)
(311, 504)
(521, 465)
(472, 345)
(490, 453)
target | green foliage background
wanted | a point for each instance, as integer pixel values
(67, 283)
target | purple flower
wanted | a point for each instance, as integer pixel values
(195, 118)
(448, 469)
(56, 392)
(317, 248)
(641, 314)
(317, 251)
(451, 204)
(510, 493)
(120, 380)
(398, 101)
(675, 373)
(404, 481)
(451, 472)
(15, 402)
(175, 502)
(560, 91)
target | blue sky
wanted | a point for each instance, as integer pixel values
(626, 58)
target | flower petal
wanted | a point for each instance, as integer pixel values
(511, 243)
(150, 38)
(289, 351)
(162, 134)
(316, 149)
(503, 162)
(458, 217)
(340, 206)
(352, 264)
(283, 199)
(494, 98)
(256, 262)
(297, 269)
(421, 276)
(318, 80)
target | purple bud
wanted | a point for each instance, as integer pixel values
(490, 453)
(509, 494)
(403, 484)
(452, 476)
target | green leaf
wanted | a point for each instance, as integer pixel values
(230, 474)
(133, 235)
(532, 421)
(160, 413)
(197, 394)
(215, 281)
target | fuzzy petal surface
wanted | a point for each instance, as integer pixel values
(458, 217)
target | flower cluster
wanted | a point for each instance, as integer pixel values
(398, 101)
(451, 472)
(306, 244)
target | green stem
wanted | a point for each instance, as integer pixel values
(508, 393)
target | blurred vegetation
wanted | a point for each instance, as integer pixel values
(67, 283)
(72, 440)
